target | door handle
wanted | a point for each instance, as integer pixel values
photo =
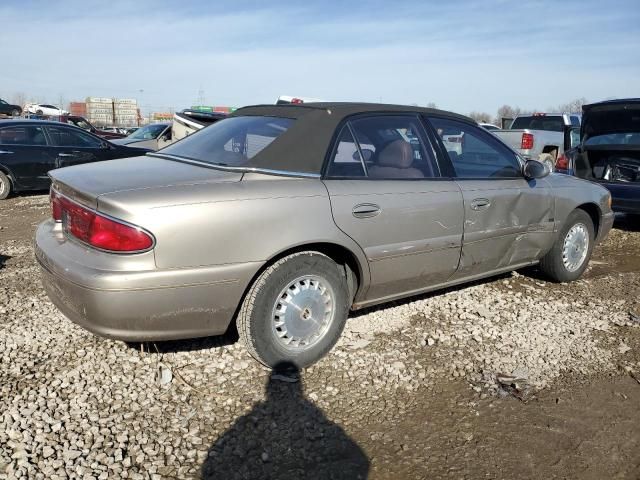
(5, 152)
(66, 155)
(480, 204)
(366, 210)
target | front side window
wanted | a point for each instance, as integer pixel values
(22, 135)
(70, 137)
(388, 147)
(232, 141)
(475, 153)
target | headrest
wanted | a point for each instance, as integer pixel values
(398, 154)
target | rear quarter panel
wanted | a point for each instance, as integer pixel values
(248, 221)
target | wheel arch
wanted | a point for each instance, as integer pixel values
(8, 173)
(357, 269)
(593, 210)
(550, 149)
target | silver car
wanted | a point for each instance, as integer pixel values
(281, 219)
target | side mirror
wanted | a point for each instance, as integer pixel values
(535, 169)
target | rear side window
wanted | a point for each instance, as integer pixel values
(386, 147)
(232, 141)
(539, 122)
(71, 137)
(22, 135)
(474, 152)
(575, 121)
(346, 160)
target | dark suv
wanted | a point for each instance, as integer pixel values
(8, 109)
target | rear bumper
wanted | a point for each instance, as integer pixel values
(137, 305)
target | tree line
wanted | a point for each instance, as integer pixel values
(508, 111)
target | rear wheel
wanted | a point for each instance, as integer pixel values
(295, 311)
(5, 186)
(570, 254)
(15, 113)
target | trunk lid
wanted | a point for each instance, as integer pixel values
(85, 183)
(615, 116)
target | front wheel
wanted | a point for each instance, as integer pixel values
(295, 310)
(570, 254)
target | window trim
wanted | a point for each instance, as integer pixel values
(333, 144)
(483, 133)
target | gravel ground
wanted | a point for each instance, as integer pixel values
(512, 377)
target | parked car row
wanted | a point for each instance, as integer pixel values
(29, 149)
(352, 205)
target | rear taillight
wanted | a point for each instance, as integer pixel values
(297, 100)
(97, 230)
(56, 208)
(562, 163)
(527, 141)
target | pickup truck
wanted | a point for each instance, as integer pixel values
(542, 136)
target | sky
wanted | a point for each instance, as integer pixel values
(462, 55)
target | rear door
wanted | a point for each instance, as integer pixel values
(74, 146)
(387, 193)
(509, 220)
(25, 154)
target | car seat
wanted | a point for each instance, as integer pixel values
(395, 161)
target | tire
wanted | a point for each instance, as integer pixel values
(5, 186)
(567, 269)
(39, 112)
(295, 283)
(15, 113)
(547, 158)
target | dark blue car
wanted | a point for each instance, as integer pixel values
(608, 151)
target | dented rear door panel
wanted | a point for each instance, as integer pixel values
(507, 222)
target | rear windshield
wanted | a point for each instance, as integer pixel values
(539, 122)
(615, 139)
(231, 142)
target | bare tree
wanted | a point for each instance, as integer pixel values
(19, 98)
(431, 105)
(574, 106)
(481, 117)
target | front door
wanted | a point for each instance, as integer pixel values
(509, 220)
(388, 195)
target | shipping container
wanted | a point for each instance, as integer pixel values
(99, 100)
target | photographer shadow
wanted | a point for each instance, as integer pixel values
(285, 437)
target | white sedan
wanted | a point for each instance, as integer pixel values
(43, 109)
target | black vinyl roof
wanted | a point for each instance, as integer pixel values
(303, 147)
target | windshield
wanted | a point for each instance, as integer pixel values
(148, 132)
(232, 141)
(615, 139)
(82, 124)
(539, 122)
